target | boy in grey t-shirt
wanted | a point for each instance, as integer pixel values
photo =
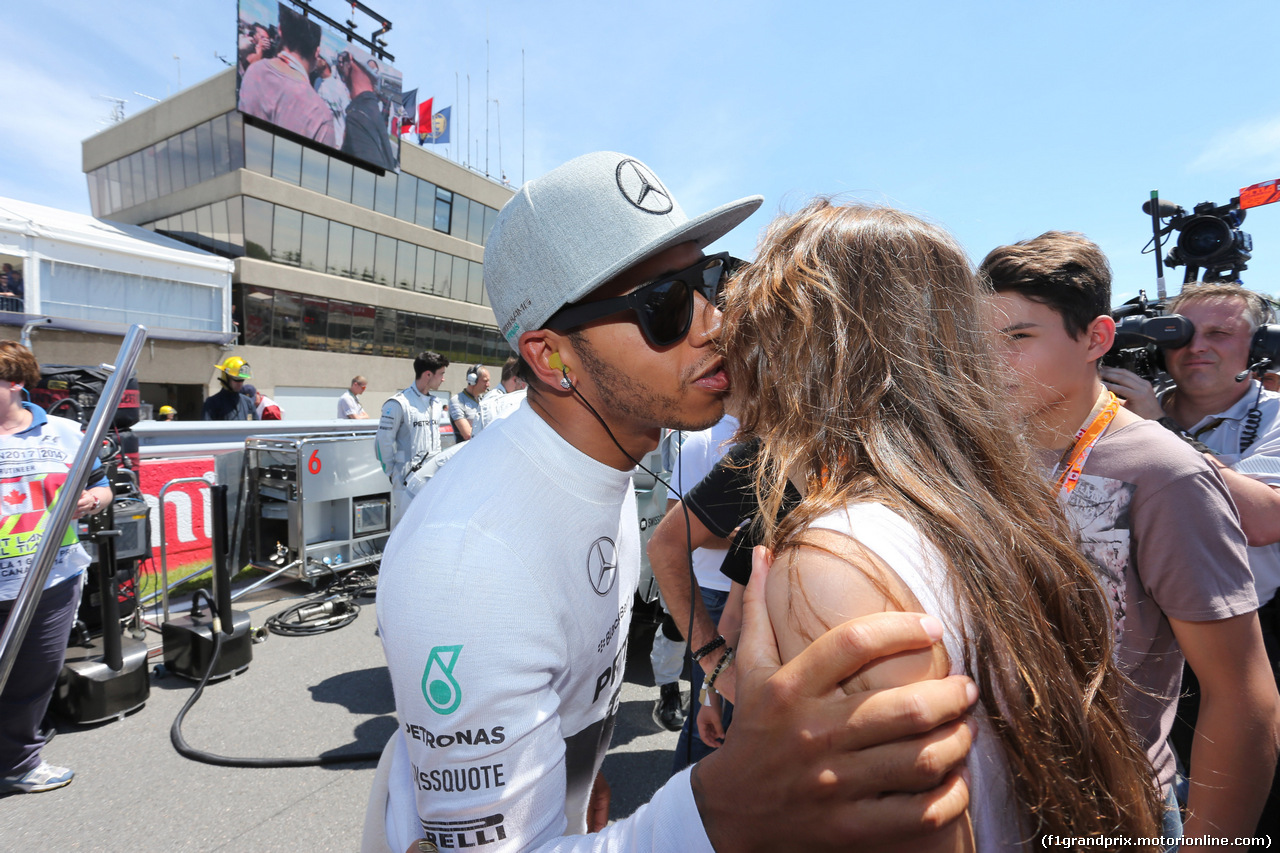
(1155, 519)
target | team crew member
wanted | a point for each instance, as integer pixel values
(1156, 521)
(464, 407)
(36, 452)
(503, 398)
(349, 403)
(409, 430)
(229, 404)
(510, 654)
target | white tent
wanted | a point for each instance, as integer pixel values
(91, 275)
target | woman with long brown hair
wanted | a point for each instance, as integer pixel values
(855, 345)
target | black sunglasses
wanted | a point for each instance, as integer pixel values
(664, 307)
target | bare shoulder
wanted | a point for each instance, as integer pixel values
(830, 578)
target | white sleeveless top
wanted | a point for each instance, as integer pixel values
(895, 541)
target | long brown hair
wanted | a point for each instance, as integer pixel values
(855, 346)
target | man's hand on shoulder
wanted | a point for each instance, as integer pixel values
(1137, 393)
(807, 766)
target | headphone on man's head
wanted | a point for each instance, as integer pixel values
(473, 374)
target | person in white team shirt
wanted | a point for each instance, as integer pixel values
(506, 660)
(503, 398)
(349, 406)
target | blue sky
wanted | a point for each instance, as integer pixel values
(998, 120)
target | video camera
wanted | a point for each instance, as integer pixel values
(1143, 330)
(1209, 238)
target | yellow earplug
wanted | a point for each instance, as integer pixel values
(554, 362)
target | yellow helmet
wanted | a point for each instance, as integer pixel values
(235, 367)
(168, 410)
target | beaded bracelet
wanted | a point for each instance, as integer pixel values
(720, 667)
(708, 648)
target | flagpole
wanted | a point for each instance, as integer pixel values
(468, 120)
(457, 98)
(486, 93)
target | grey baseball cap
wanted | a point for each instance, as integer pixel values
(576, 227)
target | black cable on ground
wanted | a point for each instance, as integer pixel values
(186, 750)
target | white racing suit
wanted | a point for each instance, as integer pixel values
(408, 435)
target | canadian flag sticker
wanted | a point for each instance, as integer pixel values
(18, 497)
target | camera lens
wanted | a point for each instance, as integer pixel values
(1204, 238)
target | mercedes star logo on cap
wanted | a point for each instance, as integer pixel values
(602, 565)
(642, 187)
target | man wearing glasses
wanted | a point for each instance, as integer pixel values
(507, 660)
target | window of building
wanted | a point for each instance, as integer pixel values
(221, 227)
(177, 171)
(258, 304)
(339, 326)
(315, 239)
(384, 341)
(362, 245)
(339, 179)
(286, 163)
(257, 149)
(235, 136)
(444, 204)
(425, 278)
(315, 170)
(93, 293)
(286, 326)
(459, 279)
(406, 264)
(257, 228)
(126, 183)
(139, 181)
(406, 328)
(286, 238)
(163, 187)
(113, 187)
(362, 325)
(204, 227)
(406, 197)
(149, 173)
(190, 157)
(426, 203)
(475, 223)
(384, 260)
(444, 274)
(339, 262)
(424, 334)
(315, 323)
(362, 183)
(490, 217)
(235, 225)
(221, 145)
(475, 282)
(385, 200)
(461, 210)
(204, 150)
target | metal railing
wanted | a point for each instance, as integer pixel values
(63, 509)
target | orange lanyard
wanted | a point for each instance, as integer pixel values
(1088, 435)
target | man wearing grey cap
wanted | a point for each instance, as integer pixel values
(506, 660)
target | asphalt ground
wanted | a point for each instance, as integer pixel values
(299, 697)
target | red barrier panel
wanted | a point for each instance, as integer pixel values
(187, 521)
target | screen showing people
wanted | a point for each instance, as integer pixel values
(308, 79)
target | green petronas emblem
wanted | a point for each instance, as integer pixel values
(439, 688)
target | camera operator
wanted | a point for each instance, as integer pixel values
(1156, 521)
(1238, 422)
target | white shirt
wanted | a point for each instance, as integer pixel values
(464, 407)
(1260, 461)
(694, 460)
(349, 405)
(498, 404)
(507, 659)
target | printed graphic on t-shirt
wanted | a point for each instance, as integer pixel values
(1098, 509)
(439, 687)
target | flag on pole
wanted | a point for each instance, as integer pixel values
(424, 116)
(439, 128)
(409, 102)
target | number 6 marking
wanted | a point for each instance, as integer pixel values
(313, 464)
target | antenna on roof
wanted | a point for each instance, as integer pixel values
(117, 109)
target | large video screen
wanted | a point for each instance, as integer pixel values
(308, 79)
